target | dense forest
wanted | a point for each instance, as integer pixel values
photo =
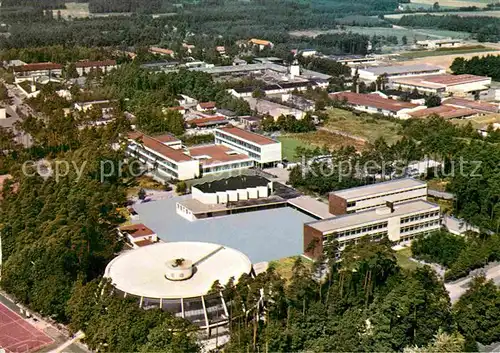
(485, 29)
(488, 65)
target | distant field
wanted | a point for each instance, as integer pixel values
(410, 33)
(459, 13)
(364, 127)
(446, 60)
(456, 3)
(427, 53)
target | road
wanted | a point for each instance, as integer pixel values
(458, 288)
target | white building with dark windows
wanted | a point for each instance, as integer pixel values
(262, 149)
(400, 223)
(168, 162)
(375, 195)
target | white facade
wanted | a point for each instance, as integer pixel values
(402, 224)
(370, 74)
(372, 196)
(222, 197)
(165, 166)
(260, 152)
(439, 43)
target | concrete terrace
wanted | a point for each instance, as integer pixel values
(261, 235)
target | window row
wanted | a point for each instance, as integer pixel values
(419, 226)
(382, 204)
(358, 230)
(237, 141)
(417, 217)
(353, 203)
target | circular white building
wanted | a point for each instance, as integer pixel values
(176, 277)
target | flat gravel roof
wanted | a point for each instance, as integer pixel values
(142, 272)
(261, 235)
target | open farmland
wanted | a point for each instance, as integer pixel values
(464, 50)
(458, 13)
(410, 33)
(446, 60)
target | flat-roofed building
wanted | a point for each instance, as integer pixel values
(371, 196)
(168, 162)
(219, 158)
(400, 223)
(84, 67)
(375, 104)
(370, 74)
(261, 149)
(439, 43)
(30, 71)
(444, 85)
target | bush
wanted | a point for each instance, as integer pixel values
(181, 187)
(439, 247)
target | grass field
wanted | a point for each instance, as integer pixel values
(284, 266)
(364, 126)
(410, 33)
(403, 257)
(495, 13)
(289, 144)
(427, 53)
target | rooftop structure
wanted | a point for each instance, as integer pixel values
(400, 223)
(177, 277)
(264, 107)
(138, 235)
(219, 158)
(161, 51)
(207, 121)
(446, 112)
(477, 105)
(375, 104)
(311, 206)
(376, 195)
(439, 43)
(262, 149)
(444, 84)
(234, 149)
(371, 74)
(233, 183)
(48, 66)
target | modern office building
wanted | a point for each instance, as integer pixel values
(219, 158)
(444, 85)
(400, 223)
(263, 150)
(177, 277)
(371, 196)
(168, 162)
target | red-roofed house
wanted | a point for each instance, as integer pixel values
(375, 104)
(204, 106)
(161, 51)
(166, 161)
(207, 121)
(138, 235)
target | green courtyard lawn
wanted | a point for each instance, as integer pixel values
(403, 258)
(363, 126)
